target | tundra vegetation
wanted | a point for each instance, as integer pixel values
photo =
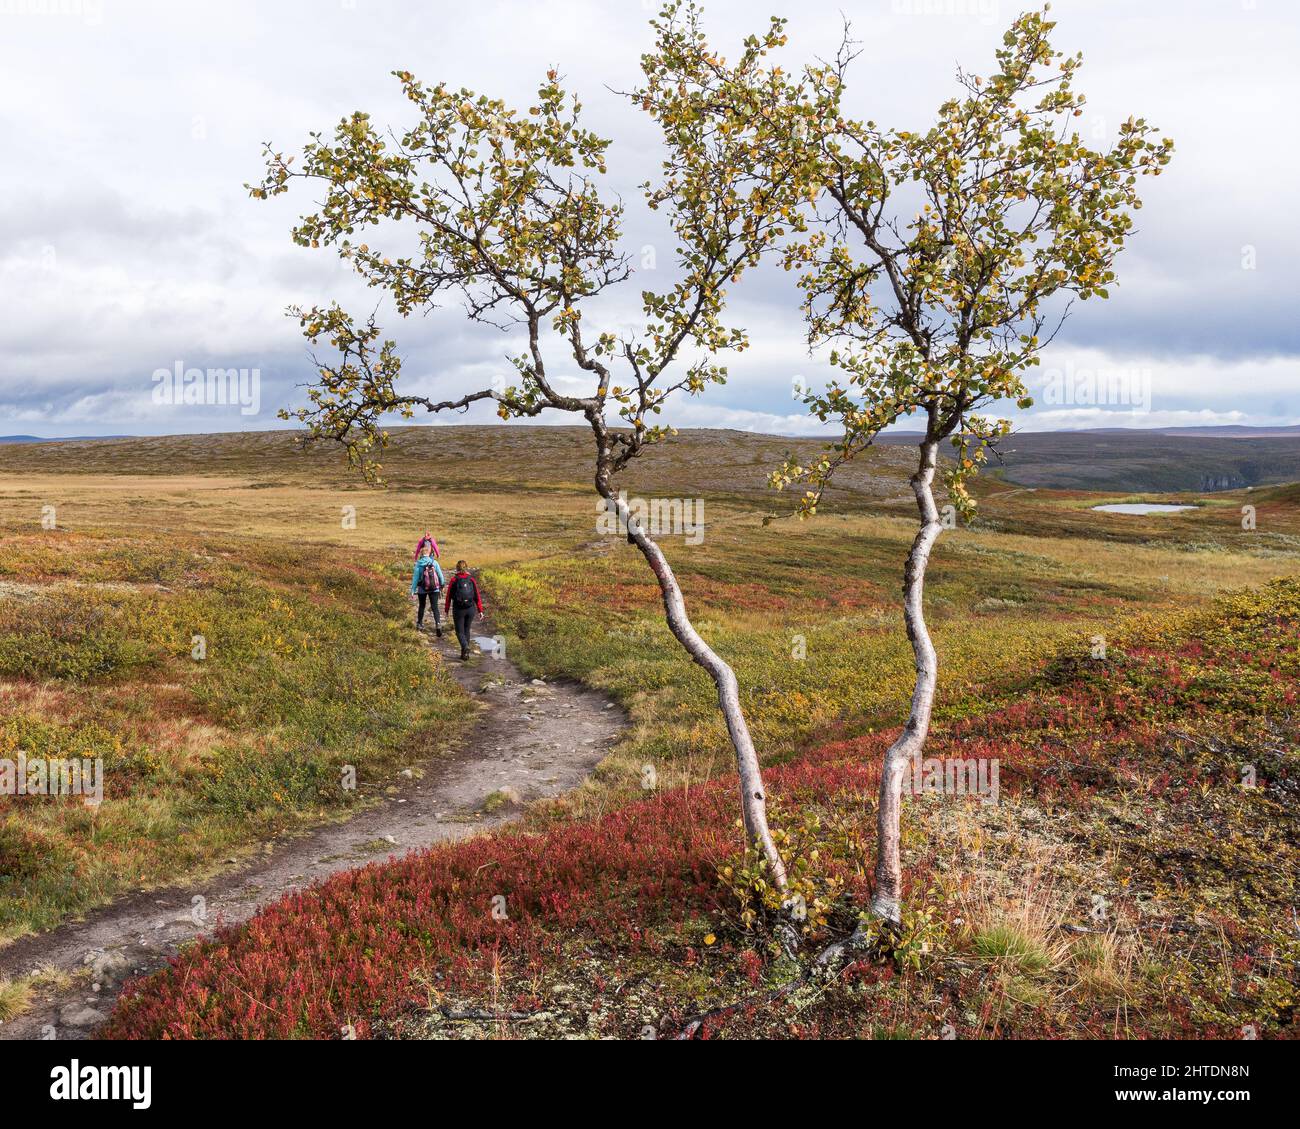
(223, 681)
(1121, 779)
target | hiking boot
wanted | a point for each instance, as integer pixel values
(464, 656)
(439, 632)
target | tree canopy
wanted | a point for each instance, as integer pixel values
(930, 258)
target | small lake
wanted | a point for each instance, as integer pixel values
(1141, 508)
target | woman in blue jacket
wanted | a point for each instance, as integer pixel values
(426, 584)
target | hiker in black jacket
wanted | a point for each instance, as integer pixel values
(463, 601)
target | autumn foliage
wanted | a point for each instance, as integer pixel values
(1155, 733)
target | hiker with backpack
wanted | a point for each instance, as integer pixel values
(463, 600)
(427, 546)
(427, 583)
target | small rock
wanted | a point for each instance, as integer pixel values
(107, 967)
(500, 798)
(538, 682)
(390, 840)
(77, 1015)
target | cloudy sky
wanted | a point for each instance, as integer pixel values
(128, 243)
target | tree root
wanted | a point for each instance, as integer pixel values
(479, 1015)
(824, 966)
(694, 1024)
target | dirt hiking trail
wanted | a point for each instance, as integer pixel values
(532, 740)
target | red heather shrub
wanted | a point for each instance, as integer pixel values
(366, 944)
(349, 950)
(751, 964)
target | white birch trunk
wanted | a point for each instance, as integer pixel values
(753, 798)
(886, 903)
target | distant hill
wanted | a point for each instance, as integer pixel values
(58, 439)
(1225, 431)
(1148, 460)
(695, 463)
(710, 461)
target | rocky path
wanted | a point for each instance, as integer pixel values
(531, 741)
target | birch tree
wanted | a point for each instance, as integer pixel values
(510, 218)
(935, 267)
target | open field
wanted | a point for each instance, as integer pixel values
(301, 672)
(1121, 777)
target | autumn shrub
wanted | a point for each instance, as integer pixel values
(77, 637)
(498, 919)
(222, 682)
(826, 854)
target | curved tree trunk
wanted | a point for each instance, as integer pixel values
(886, 902)
(753, 798)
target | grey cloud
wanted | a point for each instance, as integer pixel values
(129, 242)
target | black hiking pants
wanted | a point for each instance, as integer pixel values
(435, 602)
(462, 618)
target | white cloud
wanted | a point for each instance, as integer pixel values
(128, 240)
(1072, 419)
